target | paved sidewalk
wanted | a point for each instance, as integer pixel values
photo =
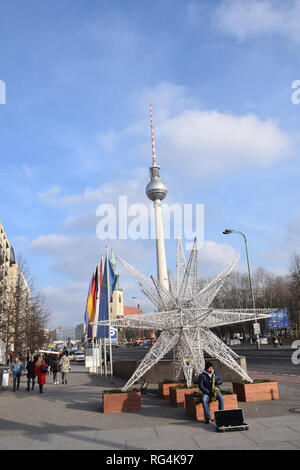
(69, 417)
(281, 433)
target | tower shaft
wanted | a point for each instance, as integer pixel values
(162, 273)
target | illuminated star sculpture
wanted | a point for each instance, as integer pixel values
(184, 319)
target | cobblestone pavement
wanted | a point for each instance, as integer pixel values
(77, 407)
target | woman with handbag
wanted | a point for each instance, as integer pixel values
(41, 371)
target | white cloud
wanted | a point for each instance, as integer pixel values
(249, 18)
(198, 142)
(213, 257)
(132, 186)
(67, 303)
(212, 142)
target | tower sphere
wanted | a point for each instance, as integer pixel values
(156, 189)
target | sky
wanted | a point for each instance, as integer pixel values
(75, 131)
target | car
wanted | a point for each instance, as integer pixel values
(79, 356)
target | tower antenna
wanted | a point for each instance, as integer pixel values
(152, 137)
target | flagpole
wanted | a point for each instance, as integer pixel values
(96, 316)
(109, 324)
(100, 339)
(93, 349)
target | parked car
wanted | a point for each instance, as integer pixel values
(72, 355)
(79, 356)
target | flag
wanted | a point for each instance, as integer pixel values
(102, 331)
(98, 296)
(88, 328)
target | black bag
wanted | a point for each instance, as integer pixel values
(44, 369)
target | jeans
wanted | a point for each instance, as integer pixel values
(205, 401)
(64, 377)
(16, 381)
(28, 383)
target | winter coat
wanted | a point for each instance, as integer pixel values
(41, 375)
(55, 365)
(31, 370)
(205, 382)
(17, 368)
(65, 364)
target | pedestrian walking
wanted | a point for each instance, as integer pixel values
(65, 367)
(55, 369)
(41, 371)
(17, 368)
(31, 374)
(209, 382)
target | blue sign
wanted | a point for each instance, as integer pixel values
(114, 335)
(280, 319)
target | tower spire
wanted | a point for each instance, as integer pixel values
(152, 137)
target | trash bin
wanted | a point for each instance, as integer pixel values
(4, 376)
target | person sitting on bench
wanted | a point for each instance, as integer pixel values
(208, 383)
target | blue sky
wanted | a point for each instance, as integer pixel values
(75, 133)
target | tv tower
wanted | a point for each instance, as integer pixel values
(156, 191)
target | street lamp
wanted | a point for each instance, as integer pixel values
(227, 232)
(140, 304)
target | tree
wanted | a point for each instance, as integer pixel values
(294, 289)
(25, 311)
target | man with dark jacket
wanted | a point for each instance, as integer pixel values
(208, 383)
(31, 374)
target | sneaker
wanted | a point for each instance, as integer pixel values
(207, 421)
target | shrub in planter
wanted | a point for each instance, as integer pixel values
(164, 388)
(194, 407)
(259, 390)
(177, 394)
(117, 401)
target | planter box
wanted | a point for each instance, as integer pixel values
(177, 396)
(164, 389)
(256, 392)
(121, 402)
(194, 407)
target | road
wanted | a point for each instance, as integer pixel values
(272, 361)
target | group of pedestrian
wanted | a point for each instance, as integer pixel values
(37, 367)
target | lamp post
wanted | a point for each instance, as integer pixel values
(140, 304)
(227, 232)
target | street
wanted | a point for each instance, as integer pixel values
(265, 360)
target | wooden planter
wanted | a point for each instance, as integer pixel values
(164, 389)
(256, 392)
(177, 396)
(194, 407)
(121, 402)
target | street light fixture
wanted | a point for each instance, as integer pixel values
(227, 232)
(140, 304)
